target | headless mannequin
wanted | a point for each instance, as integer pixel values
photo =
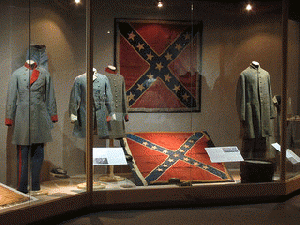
(258, 145)
(34, 155)
(74, 118)
(111, 177)
(30, 157)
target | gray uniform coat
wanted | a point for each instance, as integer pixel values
(117, 127)
(254, 102)
(31, 106)
(102, 103)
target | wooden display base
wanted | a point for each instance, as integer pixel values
(96, 185)
(38, 193)
(108, 178)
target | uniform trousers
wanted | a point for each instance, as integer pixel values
(35, 155)
(255, 148)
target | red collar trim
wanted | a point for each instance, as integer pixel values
(34, 76)
(108, 70)
(35, 73)
(31, 67)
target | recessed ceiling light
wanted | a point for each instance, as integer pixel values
(249, 7)
(160, 4)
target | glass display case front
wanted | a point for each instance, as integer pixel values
(145, 97)
(41, 61)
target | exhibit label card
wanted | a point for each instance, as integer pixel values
(290, 155)
(109, 156)
(224, 154)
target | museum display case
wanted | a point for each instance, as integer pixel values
(134, 104)
(39, 61)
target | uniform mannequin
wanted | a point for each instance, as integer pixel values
(103, 109)
(117, 83)
(30, 108)
(256, 109)
(117, 127)
(102, 101)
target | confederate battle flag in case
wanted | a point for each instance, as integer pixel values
(161, 156)
(160, 61)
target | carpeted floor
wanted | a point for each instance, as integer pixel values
(285, 212)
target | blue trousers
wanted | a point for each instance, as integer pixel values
(34, 153)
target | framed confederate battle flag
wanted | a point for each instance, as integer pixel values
(161, 64)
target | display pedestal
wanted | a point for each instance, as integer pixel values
(111, 177)
(96, 185)
(38, 193)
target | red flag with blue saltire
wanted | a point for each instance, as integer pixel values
(160, 156)
(161, 64)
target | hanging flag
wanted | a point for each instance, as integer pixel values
(160, 61)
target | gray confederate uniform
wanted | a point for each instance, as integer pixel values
(31, 106)
(255, 102)
(117, 127)
(256, 109)
(102, 102)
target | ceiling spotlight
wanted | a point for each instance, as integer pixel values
(160, 4)
(77, 1)
(249, 7)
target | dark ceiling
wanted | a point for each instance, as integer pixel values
(294, 8)
(68, 6)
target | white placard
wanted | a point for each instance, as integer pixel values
(290, 155)
(276, 146)
(224, 154)
(109, 156)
